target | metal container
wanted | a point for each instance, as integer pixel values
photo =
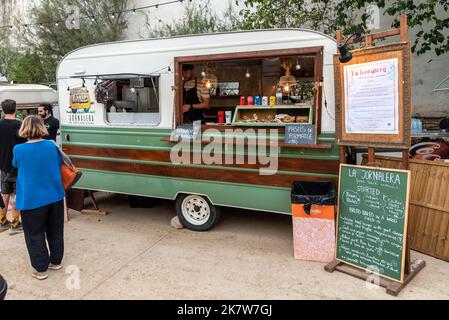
(265, 101)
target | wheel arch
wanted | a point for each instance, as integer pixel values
(179, 193)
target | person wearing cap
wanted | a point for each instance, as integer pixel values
(196, 96)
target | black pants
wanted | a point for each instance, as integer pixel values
(44, 223)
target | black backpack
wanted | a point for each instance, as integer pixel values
(3, 288)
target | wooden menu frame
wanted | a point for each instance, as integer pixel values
(401, 51)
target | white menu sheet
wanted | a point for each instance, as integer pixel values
(372, 97)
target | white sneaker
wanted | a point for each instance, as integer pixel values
(40, 275)
(55, 266)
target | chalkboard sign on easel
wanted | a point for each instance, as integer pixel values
(299, 134)
(378, 220)
(372, 219)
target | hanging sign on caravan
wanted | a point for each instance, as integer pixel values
(80, 100)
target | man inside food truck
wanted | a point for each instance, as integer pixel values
(196, 96)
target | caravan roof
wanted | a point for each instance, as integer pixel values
(91, 59)
(27, 95)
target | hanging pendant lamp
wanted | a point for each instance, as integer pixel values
(287, 81)
(210, 80)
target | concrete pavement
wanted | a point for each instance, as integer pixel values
(135, 254)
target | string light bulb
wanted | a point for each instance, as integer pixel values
(247, 74)
(113, 15)
(298, 66)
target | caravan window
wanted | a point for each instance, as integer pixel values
(130, 101)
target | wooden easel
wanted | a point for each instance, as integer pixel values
(411, 268)
(97, 211)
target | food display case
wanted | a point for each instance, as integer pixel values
(275, 116)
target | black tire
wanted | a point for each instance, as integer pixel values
(208, 223)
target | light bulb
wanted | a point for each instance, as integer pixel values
(208, 85)
(298, 66)
(287, 88)
(133, 90)
(203, 73)
(247, 75)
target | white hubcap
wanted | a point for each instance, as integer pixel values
(196, 210)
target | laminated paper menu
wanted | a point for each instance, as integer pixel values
(372, 97)
(372, 219)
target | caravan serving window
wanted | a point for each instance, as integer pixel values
(130, 101)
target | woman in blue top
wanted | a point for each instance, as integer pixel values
(39, 196)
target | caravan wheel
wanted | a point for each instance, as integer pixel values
(196, 212)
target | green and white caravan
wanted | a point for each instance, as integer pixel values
(120, 102)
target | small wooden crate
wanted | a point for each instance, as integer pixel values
(429, 205)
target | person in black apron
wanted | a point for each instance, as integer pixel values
(192, 104)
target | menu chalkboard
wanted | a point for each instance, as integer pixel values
(372, 219)
(186, 132)
(299, 134)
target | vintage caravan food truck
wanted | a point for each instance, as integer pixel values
(123, 104)
(29, 96)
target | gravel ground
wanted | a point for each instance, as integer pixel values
(135, 254)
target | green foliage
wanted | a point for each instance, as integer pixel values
(325, 16)
(45, 43)
(27, 68)
(430, 18)
(197, 19)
